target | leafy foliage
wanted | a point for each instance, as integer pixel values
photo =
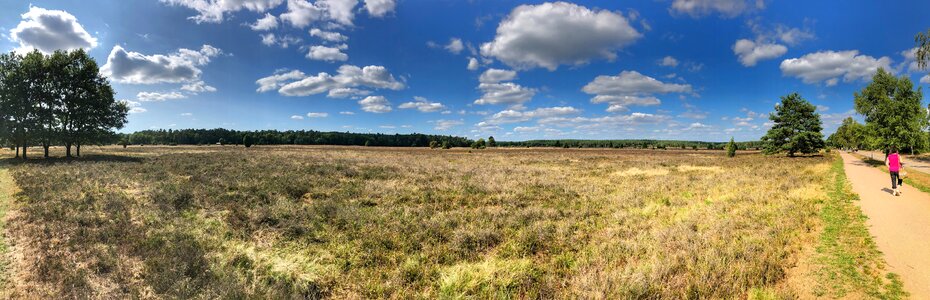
(894, 115)
(797, 127)
(850, 135)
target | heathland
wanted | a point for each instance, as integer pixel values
(366, 222)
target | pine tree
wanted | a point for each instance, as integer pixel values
(797, 127)
(731, 148)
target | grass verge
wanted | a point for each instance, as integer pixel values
(849, 264)
(7, 189)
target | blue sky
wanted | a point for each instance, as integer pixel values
(676, 69)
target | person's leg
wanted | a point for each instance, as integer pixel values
(894, 182)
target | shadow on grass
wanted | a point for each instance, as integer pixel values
(64, 160)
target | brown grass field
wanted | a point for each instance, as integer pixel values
(356, 222)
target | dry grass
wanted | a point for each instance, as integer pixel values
(352, 222)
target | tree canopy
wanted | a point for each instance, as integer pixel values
(797, 127)
(894, 115)
(850, 135)
(56, 99)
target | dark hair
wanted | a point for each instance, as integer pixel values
(894, 149)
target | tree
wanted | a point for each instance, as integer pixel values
(850, 135)
(491, 142)
(923, 49)
(894, 115)
(479, 144)
(247, 141)
(797, 127)
(445, 145)
(731, 148)
(433, 144)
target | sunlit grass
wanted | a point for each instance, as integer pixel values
(353, 222)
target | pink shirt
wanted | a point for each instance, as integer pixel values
(894, 162)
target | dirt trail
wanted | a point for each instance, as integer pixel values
(901, 225)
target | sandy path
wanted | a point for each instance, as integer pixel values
(901, 225)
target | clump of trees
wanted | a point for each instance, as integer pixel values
(797, 127)
(850, 135)
(894, 115)
(479, 144)
(634, 144)
(57, 99)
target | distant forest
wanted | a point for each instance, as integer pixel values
(312, 137)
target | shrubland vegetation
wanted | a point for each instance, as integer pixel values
(796, 127)
(288, 137)
(294, 222)
(635, 144)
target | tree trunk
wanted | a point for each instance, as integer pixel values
(78, 150)
(45, 146)
(17, 151)
(25, 145)
(68, 150)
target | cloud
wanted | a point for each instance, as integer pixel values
(828, 66)
(379, 8)
(278, 80)
(549, 35)
(515, 116)
(750, 52)
(925, 79)
(348, 113)
(375, 104)
(526, 129)
(497, 75)
(793, 36)
(266, 23)
(328, 36)
(696, 125)
(198, 87)
(135, 107)
(347, 93)
(136, 68)
(296, 83)
(443, 125)
(157, 97)
(630, 88)
(270, 39)
(473, 64)
(214, 11)
(50, 30)
(668, 61)
(613, 122)
(329, 54)
(300, 13)
(726, 8)
(423, 105)
(317, 114)
(504, 93)
(297, 117)
(455, 46)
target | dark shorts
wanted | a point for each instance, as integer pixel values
(896, 179)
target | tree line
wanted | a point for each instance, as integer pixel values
(632, 143)
(289, 137)
(56, 99)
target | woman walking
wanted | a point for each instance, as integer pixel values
(893, 161)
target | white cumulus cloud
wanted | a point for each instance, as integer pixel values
(497, 75)
(504, 93)
(726, 8)
(214, 11)
(329, 36)
(630, 88)
(330, 54)
(50, 30)
(379, 8)
(829, 66)
(551, 34)
(156, 96)
(198, 87)
(317, 114)
(137, 68)
(423, 105)
(267, 22)
(750, 52)
(375, 104)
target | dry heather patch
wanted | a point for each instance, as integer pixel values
(344, 222)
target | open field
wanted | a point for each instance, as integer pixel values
(356, 222)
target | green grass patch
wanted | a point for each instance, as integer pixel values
(848, 264)
(7, 189)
